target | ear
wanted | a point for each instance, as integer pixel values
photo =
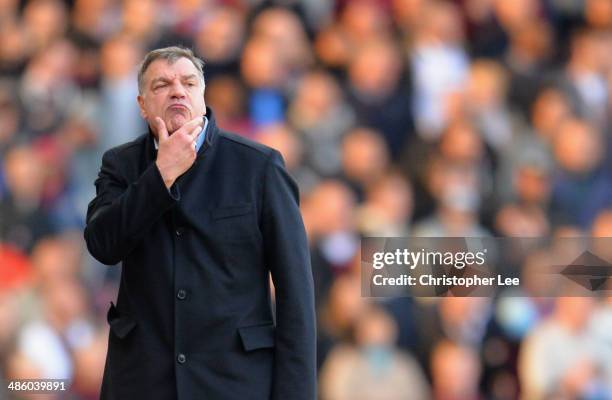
(141, 105)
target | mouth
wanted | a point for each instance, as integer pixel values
(178, 107)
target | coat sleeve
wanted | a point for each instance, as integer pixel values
(122, 212)
(287, 255)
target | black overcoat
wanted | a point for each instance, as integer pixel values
(194, 316)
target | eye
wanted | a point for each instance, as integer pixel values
(159, 86)
(190, 84)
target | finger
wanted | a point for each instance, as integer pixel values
(192, 125)
(162, 132)
(195, 133)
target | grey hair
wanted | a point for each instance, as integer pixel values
(170, 54)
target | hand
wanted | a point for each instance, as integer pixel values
(176, 152)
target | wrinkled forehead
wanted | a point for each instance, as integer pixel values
(161, 68)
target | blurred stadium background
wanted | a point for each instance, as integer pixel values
(396, 117)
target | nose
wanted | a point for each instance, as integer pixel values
(177, 91)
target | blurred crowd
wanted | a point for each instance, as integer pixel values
(396, 118)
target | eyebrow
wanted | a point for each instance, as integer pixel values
(164, 79)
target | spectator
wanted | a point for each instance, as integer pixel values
(457, 195)
(585, 76)
(285, 30)
(387, 210)
(120, 115)
(581, 187)
(455, 372)
(320, 113)
(364, 159)
(439, 66)
(219, 39)
(373, 368)
(486, 93)
(265, 77)
(23, 221)
(378, 93)
(556, 359)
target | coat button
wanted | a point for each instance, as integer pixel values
(181, 294)
(181, 358)
(179, 231)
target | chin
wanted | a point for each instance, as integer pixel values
(175, 122)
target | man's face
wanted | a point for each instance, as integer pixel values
(173, 92)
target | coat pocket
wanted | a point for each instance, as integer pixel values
(231, 211)
(257, 337)
(234, 224)
(120, 324)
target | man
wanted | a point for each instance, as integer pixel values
(199, 217)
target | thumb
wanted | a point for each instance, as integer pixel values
(162, 132)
